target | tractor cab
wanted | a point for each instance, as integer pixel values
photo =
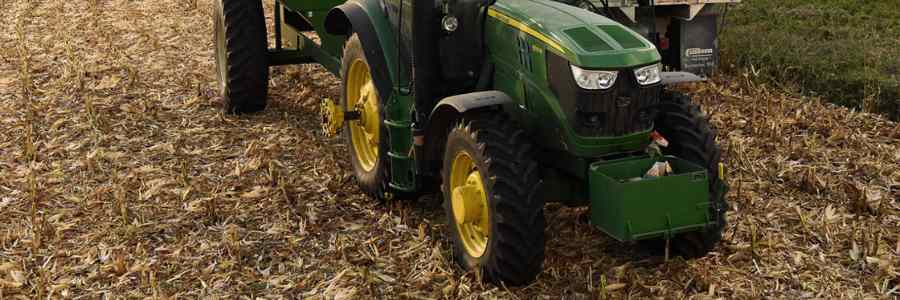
(442, 51)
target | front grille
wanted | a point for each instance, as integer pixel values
(624, 109)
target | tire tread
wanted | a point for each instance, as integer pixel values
(518, 254)
(691, 138)
(246, 89)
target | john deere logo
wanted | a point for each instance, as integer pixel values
(691, 52)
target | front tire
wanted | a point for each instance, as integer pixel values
(690, 137)
(490, 188)
(241, 55)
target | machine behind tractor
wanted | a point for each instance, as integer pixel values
(504, 105)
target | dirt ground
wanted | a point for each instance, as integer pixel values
(120, 177)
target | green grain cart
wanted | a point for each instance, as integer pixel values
(505, 105)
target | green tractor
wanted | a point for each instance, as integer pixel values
(502, 106)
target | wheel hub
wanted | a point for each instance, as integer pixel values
(332, 117)
(363, 99)
(469, 205)
(471, 202)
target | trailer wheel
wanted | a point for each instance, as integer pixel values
(241, 54)
(691, 137)
(490, 188)
(367, 136)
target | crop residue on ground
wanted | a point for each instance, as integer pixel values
(120, 176)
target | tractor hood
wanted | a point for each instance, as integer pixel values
(584, 38)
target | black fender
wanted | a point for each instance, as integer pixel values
(466, 102)
(448, 111)
(351, 17)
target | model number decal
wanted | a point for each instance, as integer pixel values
(692, 52)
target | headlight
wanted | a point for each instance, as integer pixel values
(648, 75)
(594, 80)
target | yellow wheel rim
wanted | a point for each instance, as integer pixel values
(469, 204)
(363, 98)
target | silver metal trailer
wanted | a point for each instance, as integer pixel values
(685, 31)
(686, 9)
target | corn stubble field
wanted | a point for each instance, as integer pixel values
(120, 177)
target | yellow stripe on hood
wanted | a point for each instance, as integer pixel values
(524, 28)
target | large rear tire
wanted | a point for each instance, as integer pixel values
(241, 55)
(366, 137)
(690, 137)
(490, 188)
